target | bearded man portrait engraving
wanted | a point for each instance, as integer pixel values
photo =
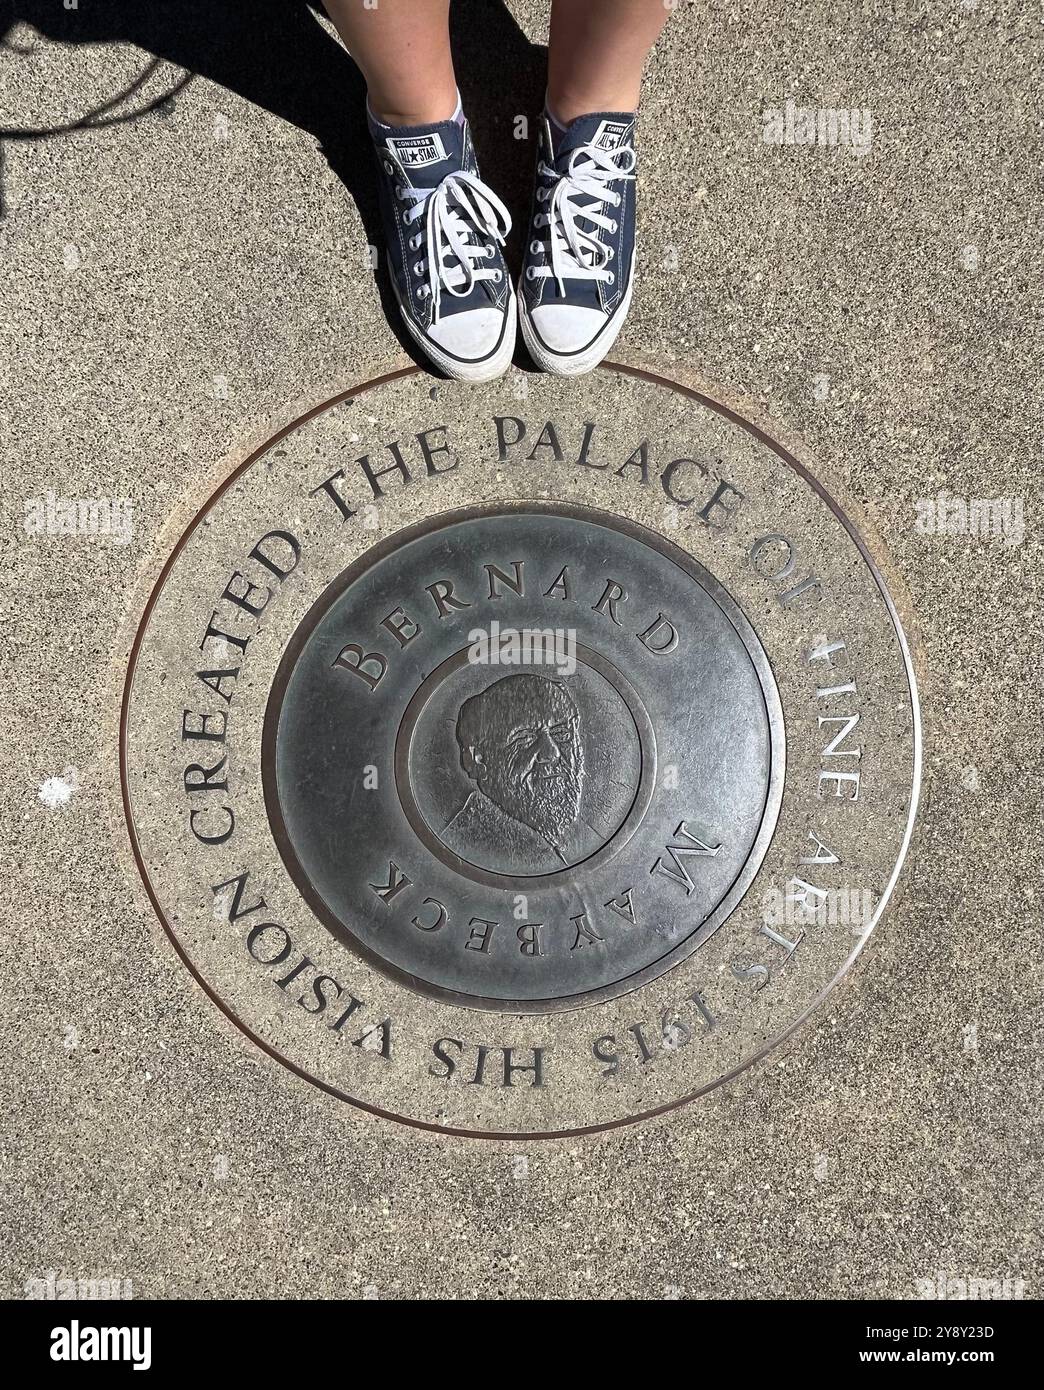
(521, 744)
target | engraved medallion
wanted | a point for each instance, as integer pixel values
(548, 823)
(512, 766)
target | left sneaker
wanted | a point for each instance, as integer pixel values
(579, 269)
(444, 229)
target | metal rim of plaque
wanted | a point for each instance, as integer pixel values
(516, 770)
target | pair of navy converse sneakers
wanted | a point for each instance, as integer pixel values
(445, 230)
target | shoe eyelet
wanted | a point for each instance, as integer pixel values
(498, 276)
(541, 194)
(389, 167)
(612, 253)
(536, 248)
(423, 291)
(613, 226)
(610, 279)
(489, 252)
(418, 267)
(530, 273)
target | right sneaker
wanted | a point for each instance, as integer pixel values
(444, 230)
(578, 276)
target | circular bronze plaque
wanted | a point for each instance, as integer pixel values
(476, 758)
(520, 760)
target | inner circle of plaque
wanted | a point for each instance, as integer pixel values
(519, 835)
(600, 754)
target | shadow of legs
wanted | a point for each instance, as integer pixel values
(501, 76)
(275, 54)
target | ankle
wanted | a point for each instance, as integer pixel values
(565, 106)
(397, 111)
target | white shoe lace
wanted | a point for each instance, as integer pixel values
(458, 210)
(578, 254)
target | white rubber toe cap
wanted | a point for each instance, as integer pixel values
(565, 327)
(471, 335)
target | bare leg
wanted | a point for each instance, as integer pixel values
(597, 52)
(402, 48)
(443, 226)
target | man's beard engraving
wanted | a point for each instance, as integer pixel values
(545, 799)
(520, 742)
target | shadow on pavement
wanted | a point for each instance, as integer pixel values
(275, 54)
